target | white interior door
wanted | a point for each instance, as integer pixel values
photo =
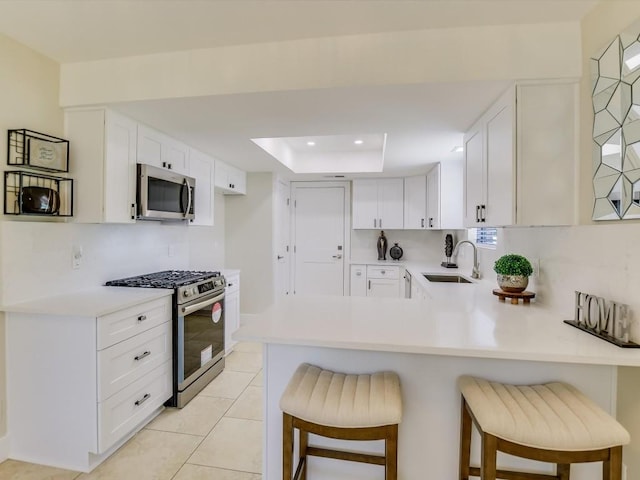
(319, 214)
(283, 235)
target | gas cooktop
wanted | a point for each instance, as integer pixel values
(164, 279)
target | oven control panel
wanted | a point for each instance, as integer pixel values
(196, 290)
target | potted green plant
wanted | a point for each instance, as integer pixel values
(513, 272)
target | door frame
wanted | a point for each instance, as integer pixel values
(286, 235)
(346, 256)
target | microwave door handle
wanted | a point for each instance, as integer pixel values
(194, 308)
(189, 197)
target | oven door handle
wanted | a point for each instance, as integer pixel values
(186, 310)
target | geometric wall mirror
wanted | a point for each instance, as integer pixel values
(615, 82)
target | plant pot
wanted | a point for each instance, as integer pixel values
(513, 283)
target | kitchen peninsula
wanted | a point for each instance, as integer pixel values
(460, 329)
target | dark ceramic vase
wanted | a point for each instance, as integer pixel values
(382, 246)
(396, 252)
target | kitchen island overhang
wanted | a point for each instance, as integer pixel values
(429, 344)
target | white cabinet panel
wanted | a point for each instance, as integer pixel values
(231, 311)
(103, 162)
(230, 180)
(157, 149)
(415, 202)
(358, 280)
(201, 167)
(521, 157)
(378, 204)
(380, 287)
(433, 198)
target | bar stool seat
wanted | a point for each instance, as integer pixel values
(343, 406)
(553, 422)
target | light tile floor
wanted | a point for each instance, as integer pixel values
(217, 436)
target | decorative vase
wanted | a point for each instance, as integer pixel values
(396, 252)
(513, 283)
(382, 246)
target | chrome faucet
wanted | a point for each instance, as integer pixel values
(475, 273)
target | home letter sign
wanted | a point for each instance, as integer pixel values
(605, 319)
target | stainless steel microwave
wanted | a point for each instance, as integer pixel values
(164, 195)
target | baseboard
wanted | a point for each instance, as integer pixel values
(4, 448)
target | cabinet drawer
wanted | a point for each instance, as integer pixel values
(375, 271)
(118, 326)
(127, 361)
(122, 412)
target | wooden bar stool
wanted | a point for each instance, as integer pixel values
(552, 423)
(346, 407)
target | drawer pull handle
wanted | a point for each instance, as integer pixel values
(142, 318)
(146, 397)
(140, 357)
(231, 284)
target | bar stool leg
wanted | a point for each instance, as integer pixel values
(563, 471)
(287, 446)
(304, 442)
(391, 453)
(612, 468)
(465, 441)
(489, 452)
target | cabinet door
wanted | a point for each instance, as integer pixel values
(415, 203)
(358, 281)
(120, 169)
(382, 287)
(501, 180)
(231, 317)
(175, 156)
(474, 175)
(433, 198)
(201, 168)
(237, 180)
(149, 146)
(391, 204)
(365, 204)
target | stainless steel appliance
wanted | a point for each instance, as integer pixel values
(198, 326)
(164, 195)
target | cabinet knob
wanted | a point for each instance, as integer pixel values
(142, 318)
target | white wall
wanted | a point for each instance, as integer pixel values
(249, 223)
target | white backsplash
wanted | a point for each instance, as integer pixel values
(417, 245)
(600, 259)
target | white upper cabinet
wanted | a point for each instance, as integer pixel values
(230, 180)
(520, 158)
(378, 203)
(103, 161)
(415, 202)
(157, 149)
(201, 167)
(434, 201)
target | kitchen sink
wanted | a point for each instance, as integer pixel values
(445, 278)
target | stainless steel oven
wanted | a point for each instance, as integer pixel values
(198, 326)
(200, 344)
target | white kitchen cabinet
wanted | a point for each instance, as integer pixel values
(230, 180)
(358, 280)
(103, 163)
(434, 201)
(201, 167)
(157, 149)
(79, 385)
(520, 158)
(378, 203)
(231, 310)
(415, 202)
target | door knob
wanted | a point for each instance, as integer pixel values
(280, 257)
(337, 256)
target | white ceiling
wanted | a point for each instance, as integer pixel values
(423, 122)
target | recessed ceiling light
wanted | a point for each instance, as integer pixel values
(358, 142)
(457, 149)
(311, 143)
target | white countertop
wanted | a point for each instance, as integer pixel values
(89, 303)
(464, 320)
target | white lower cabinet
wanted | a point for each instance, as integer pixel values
(375, 281)
(78, 386)
(231, 311)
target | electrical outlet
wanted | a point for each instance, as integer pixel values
(171, 252)
(76, 256)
